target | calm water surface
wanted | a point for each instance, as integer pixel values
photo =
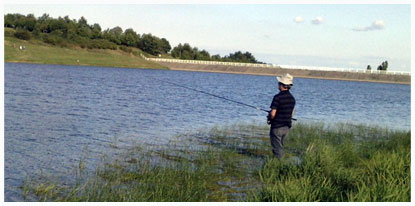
(56, 115)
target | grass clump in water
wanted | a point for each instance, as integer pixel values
(235, 163)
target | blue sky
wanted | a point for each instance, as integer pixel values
(337, 35)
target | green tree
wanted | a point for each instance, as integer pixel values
(241, 57)
(187, 52)
(83, 22)
(380, 68)
(20, 21)
(84, 29)
(114, 35)
(58, 24)
(204, 55)
(369, 67)
(130, 38)
(165, 45)
(9, 20)
(43, 23)
(154, 45)
(176, 51)
(72, 28)
(96, 31)
(385, 65)
(216, 57)
(30, 22)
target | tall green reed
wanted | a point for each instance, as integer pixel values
(342, 162)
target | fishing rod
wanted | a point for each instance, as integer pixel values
(214, 95)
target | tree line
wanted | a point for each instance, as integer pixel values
(186, 51)
(381, 67)
(65, 31)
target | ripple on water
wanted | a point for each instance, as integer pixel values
(55, 115)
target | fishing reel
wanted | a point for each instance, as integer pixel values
(269, 118)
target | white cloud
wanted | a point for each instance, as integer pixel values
(299, 19)
(318, 20)
(377, 25)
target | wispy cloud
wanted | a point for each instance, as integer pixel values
(317, 21)
(377, 25)
(299, 19)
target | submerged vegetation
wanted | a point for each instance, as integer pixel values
(234, 163)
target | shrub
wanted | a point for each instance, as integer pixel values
(126, 49)
(9, 32)
(136, 53)
(23, 34)
(81, 41)
(101, 44)
(55, 40)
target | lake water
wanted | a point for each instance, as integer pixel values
(55, 114)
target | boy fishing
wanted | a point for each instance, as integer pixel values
(282, 109)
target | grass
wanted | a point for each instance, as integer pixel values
(42, 53)
(234, 163)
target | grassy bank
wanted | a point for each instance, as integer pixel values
(234, 163)
(42, 53)
(39, 52)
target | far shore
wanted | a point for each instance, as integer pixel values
(306, 77)
(299, 73)
(40, 53)
(294, 72)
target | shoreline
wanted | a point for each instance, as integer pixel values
(224, 72)
(304, 77)
(83, 65)
(309, 74)
(39, 53)
(349, 155)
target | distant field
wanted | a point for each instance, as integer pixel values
(42, 53)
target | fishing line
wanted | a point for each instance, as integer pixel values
(207, 93)
(214, 95)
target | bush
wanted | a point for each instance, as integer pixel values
(23, 34)
(126, 49)
(136, 53)
(81, 41)
(9, 32)
(55, 40)
(101, 44)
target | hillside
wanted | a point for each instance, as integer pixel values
(41, 53)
